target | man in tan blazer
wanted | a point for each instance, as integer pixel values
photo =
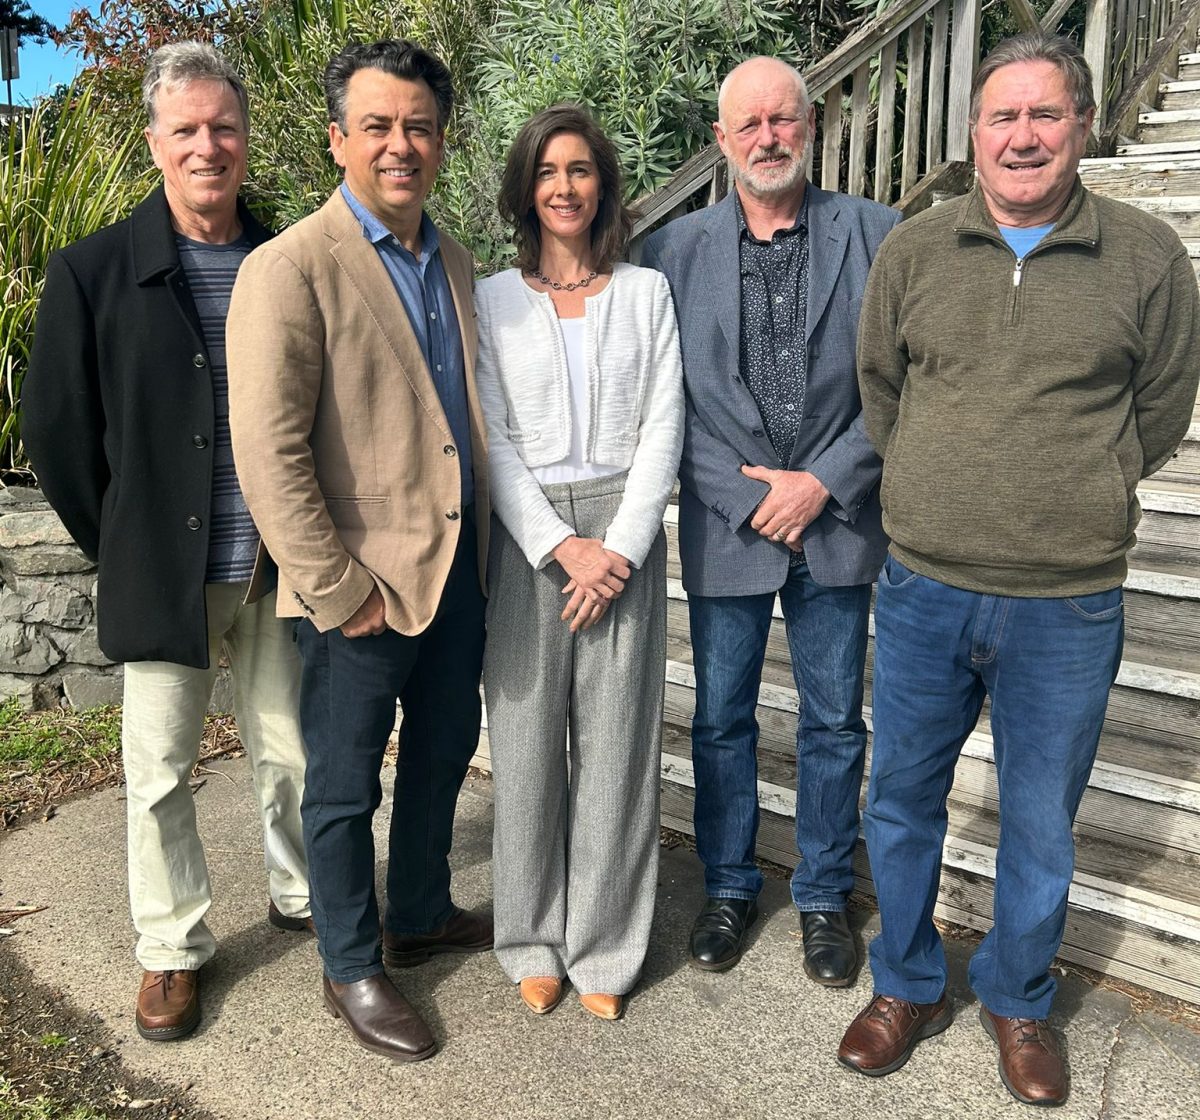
(361, 454)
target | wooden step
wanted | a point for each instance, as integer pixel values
(1160, 148)
(1184, 465)
(1189, 98)
(1176, 124)
(1147, 176)
(1180, 212)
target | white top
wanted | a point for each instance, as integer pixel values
(634, 390)
(575, 466)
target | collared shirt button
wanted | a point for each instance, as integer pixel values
(439, 367)
(199, 361)
(450, 450)
(433, 314)
(451, 515)
(779, 299)
(193, 523)
(200, 441)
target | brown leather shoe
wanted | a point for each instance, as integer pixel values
(601, 1005)
(1031, 1066)
(464, 932)
(380, 1018)
(883, 1033)
(541, 993)
(168, 1004)
(281, 921)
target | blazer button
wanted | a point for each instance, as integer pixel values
(450, 450)
(193, 523)
(200, 441)
(451, 515)
(199, 361)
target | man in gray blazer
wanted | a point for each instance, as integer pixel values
(779, 495)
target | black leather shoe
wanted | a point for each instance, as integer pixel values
(281, 920)
(830, 955)
(719, 930)
(380, 1018)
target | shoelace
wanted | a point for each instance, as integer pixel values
(168, 979)
(1028, 1030)
(886, 1008)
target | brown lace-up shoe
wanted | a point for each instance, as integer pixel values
(1031, 1066)
(883, 1034)
(168, 1004)
(463, 932)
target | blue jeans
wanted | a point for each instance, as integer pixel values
(1047, 665)
(827, 638)
(348, 693)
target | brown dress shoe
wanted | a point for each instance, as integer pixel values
(601, 1005)
(464, 932)
(380, 1018)
(168, 1004)
(541, 993)
(883, 1034)
(1031, 1066)
(294, 925)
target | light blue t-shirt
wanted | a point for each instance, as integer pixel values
(1022, 240)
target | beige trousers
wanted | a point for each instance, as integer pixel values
(163, 719)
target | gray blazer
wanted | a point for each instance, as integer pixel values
(721, 554)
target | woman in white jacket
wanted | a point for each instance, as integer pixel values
(580, 377)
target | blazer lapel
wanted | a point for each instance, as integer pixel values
(722, 266)
(359, 261)
(827, 241)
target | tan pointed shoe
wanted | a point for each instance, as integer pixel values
(541, 993)
(601, 1005)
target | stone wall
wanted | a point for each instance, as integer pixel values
(48, 650)
(49, 655)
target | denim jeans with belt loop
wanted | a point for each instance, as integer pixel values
(1047, 665)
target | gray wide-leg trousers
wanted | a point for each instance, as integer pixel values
(575, 728)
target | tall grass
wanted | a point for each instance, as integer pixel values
(65, 171)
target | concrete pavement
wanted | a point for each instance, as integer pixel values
(755, 1042)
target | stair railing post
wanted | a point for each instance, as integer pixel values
(964, 56)
(1097, 43)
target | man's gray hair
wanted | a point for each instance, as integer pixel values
(177, 64)
(801, 86)
(1039, 46)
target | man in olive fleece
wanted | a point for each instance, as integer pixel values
(1026, 354)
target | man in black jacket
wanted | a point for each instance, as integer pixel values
(125, 417)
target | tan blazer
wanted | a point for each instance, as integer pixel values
(343, 450)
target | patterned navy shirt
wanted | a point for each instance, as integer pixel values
(773, 353)
(232, 538)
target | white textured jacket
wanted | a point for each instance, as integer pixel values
(635, 403)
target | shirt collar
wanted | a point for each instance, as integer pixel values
(376, 232)
(801, 222)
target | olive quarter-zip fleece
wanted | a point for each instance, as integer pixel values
(1017, 404)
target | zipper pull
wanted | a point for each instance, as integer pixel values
(1017, 273)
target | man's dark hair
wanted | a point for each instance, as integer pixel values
(1039, 46)
(401, 58)
(614, 220)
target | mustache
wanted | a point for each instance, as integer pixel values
(775, 151)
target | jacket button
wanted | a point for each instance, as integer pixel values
(451, 515)
(450, 450)
(199, 361)
(757, 432)
(199, 441)
(193, 523)
(736, 380)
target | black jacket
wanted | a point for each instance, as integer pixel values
(117, 418)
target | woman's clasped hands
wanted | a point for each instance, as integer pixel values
(597, 577)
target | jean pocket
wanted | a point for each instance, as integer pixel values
(1101, 606)
(895, 575)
